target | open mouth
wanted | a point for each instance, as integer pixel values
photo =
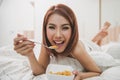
(59, 43)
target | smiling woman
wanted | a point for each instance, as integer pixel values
(60, 28)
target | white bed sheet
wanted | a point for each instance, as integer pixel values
(16, 67)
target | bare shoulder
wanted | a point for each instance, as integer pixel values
(84, 58)
(79, 49)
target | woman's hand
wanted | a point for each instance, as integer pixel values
(23, 46)
(77, 75)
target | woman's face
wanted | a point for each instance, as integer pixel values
(58, 32)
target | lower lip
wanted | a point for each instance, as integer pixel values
(59, 46)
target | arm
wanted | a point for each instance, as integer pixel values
(86, 61)
(39, 67)
(44, 58)
(83, 75)
(25, 48)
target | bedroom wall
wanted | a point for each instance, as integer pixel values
(15, 16)
(111, 12)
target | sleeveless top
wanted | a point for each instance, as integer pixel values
(62, 60)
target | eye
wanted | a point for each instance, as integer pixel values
(66, 27)
(51, 27)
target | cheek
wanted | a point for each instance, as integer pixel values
(49, 34)
(67, 35)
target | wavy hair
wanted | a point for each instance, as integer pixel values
(69, 15)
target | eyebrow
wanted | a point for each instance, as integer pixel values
(51, 24)
(66, 24)
(62, 24)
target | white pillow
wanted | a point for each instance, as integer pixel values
(113, 49)
(102, 59)
(111, 73)
(94, 78)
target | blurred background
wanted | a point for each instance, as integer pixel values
(26, 17)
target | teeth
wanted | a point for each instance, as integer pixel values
(58, 42)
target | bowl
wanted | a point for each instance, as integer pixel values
(59, 72)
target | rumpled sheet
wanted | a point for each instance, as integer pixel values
(16, 67)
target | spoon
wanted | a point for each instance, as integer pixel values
(50, 47)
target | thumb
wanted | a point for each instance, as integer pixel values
(19, 35)
(75, 72)
(77, 77)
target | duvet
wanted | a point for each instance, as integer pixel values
(16, 67)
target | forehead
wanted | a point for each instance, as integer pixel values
(56, 18)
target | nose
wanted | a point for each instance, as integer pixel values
(58, 34)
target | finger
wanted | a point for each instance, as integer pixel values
(20, 45)
(23, 50)
(20, 50)
(75, 72)
(19, 35)
(77, 78)
(27, 51)
(24, 43)
(77, 75)
(19, 39)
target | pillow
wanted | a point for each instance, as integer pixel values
(111, 74)
(113, 49)
(9, 52)
(102, 59)
(94, 78)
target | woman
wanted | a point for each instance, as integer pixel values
(60, 28)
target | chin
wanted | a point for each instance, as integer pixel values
(59, 51)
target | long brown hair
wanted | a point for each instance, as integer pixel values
(68, 14)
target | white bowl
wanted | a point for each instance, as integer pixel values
(59, 68)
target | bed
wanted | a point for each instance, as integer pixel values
(16, 67)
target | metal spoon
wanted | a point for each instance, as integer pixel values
(50, 47)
